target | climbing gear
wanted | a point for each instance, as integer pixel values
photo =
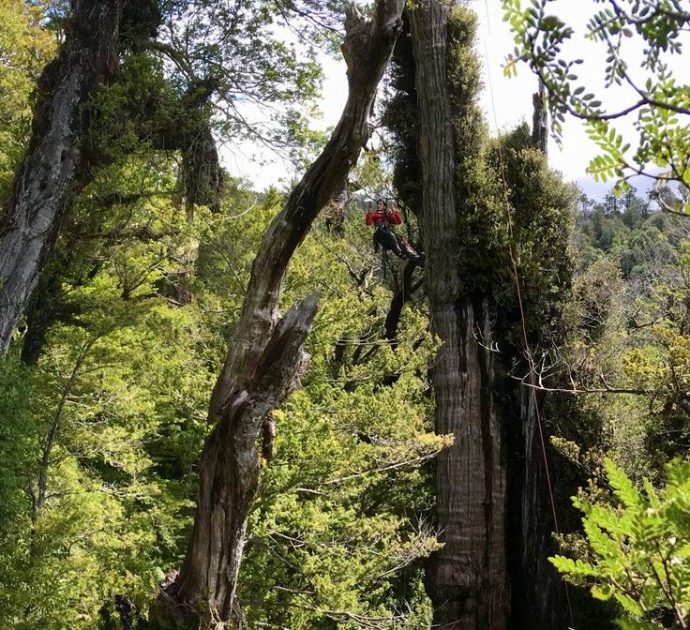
(386, 238)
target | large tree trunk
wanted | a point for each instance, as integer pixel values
(467, 578)
(45, 182)
(202, 177)
(265, 353)
(539, 599)
(367, 48)
(229, 478)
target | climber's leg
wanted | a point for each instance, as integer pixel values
(410, 252)
(387, 240)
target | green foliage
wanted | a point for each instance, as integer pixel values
(240, 50)
(402, 121)
(111, 420)
(340, 526)
(482, 222)
(626, 346)
(637, 549)
(128, 113)
(25, 47)
(108, 428)
(510, 206)
(660, 102)
(539, 225)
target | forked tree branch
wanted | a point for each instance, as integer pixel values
(265, 358)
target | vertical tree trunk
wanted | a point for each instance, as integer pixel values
(540, 120)
(467, 578)
(45, 182)
(266, 355)
(538, 595)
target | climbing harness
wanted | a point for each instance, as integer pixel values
(385, 237)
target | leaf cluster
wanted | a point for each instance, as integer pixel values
(659, 101)
(637, 550)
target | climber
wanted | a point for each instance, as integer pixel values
(383, 219)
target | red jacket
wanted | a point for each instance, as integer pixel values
(374, 217)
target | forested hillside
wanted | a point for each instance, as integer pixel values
(223, 405)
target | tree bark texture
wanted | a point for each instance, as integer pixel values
(401, 296)
(202, 173)
(45, 182)
(229, 478)
(41, 312)
(202, 176)
(467, 579)
(265, 354)
(538, 594)
(540, 120)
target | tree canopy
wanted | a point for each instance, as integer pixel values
(222, 405)
(641, 43)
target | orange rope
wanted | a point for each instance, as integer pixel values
(523, 319)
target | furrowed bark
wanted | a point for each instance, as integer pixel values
(47, 179)
(202, 176)
(229, 478)
(538, 594)
(41, 312)
(266, 352)
(466, 579)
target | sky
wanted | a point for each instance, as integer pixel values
(506, 101)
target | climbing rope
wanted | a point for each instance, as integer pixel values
(533, 386)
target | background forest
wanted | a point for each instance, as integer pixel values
(572, 321)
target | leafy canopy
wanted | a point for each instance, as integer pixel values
(638, 549)
(658, 101)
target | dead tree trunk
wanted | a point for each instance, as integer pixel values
(266, 353)
(398, 301)
(45, 182)
(467, 578)
(540, 120)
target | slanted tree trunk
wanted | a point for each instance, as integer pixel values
(401, 296)
(41, 312)
(266, 352)
(201, 183)
(45, 182)
(467, 579)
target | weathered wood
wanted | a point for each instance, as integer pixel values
(46, 180)
(402, 295)
(466, 579)
(538, 597)
(367, 49)
(540, 120)
(229, 477)
(266, 354)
